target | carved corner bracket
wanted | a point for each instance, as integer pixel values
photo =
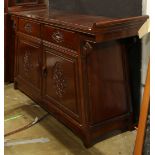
(87, 48)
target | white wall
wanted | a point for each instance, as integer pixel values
(145, 45)
(146, 7)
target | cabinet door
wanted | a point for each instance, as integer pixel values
(28, 66)
(61, 86)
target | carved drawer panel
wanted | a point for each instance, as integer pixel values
(61, 37)
(29, 27)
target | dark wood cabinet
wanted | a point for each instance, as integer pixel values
(76, 67)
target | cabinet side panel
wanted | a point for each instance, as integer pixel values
(107, 82)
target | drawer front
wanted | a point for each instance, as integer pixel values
(29, 27)
(61, 37)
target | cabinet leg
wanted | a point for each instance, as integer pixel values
(87, 144)
(87, 141)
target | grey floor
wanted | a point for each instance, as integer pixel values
(49, 137)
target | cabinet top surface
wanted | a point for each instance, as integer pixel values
(82, 23)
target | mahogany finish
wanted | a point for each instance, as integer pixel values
(29, 27)
(11, 6)
(76, 67)
(5, 40)
(61, 37)
(8, 45)
(29, 63)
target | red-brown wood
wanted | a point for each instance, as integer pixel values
(6, 74)
(93, 25)
(5, 6)
(11, 6)
(5, 48)
(60, 81)
(8, 49)
(29, 63)
(107, 82)
(83, 78)
(60, 36)
(29, 27)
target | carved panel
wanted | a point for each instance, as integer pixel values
(28, 27)
(29, 64)
(27, 61)
(59, 79)
(58, 37)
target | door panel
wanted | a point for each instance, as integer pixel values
(29, 63)
(61, 82)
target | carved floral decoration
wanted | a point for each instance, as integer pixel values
(27, 61)
(59, 79)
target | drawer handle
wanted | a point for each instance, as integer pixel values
(28, 27)
(58, 37)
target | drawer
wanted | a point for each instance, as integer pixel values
(29, 27)
(60, 36)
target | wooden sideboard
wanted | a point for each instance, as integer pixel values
(76, 67)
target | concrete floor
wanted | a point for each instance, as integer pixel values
(49, 137)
